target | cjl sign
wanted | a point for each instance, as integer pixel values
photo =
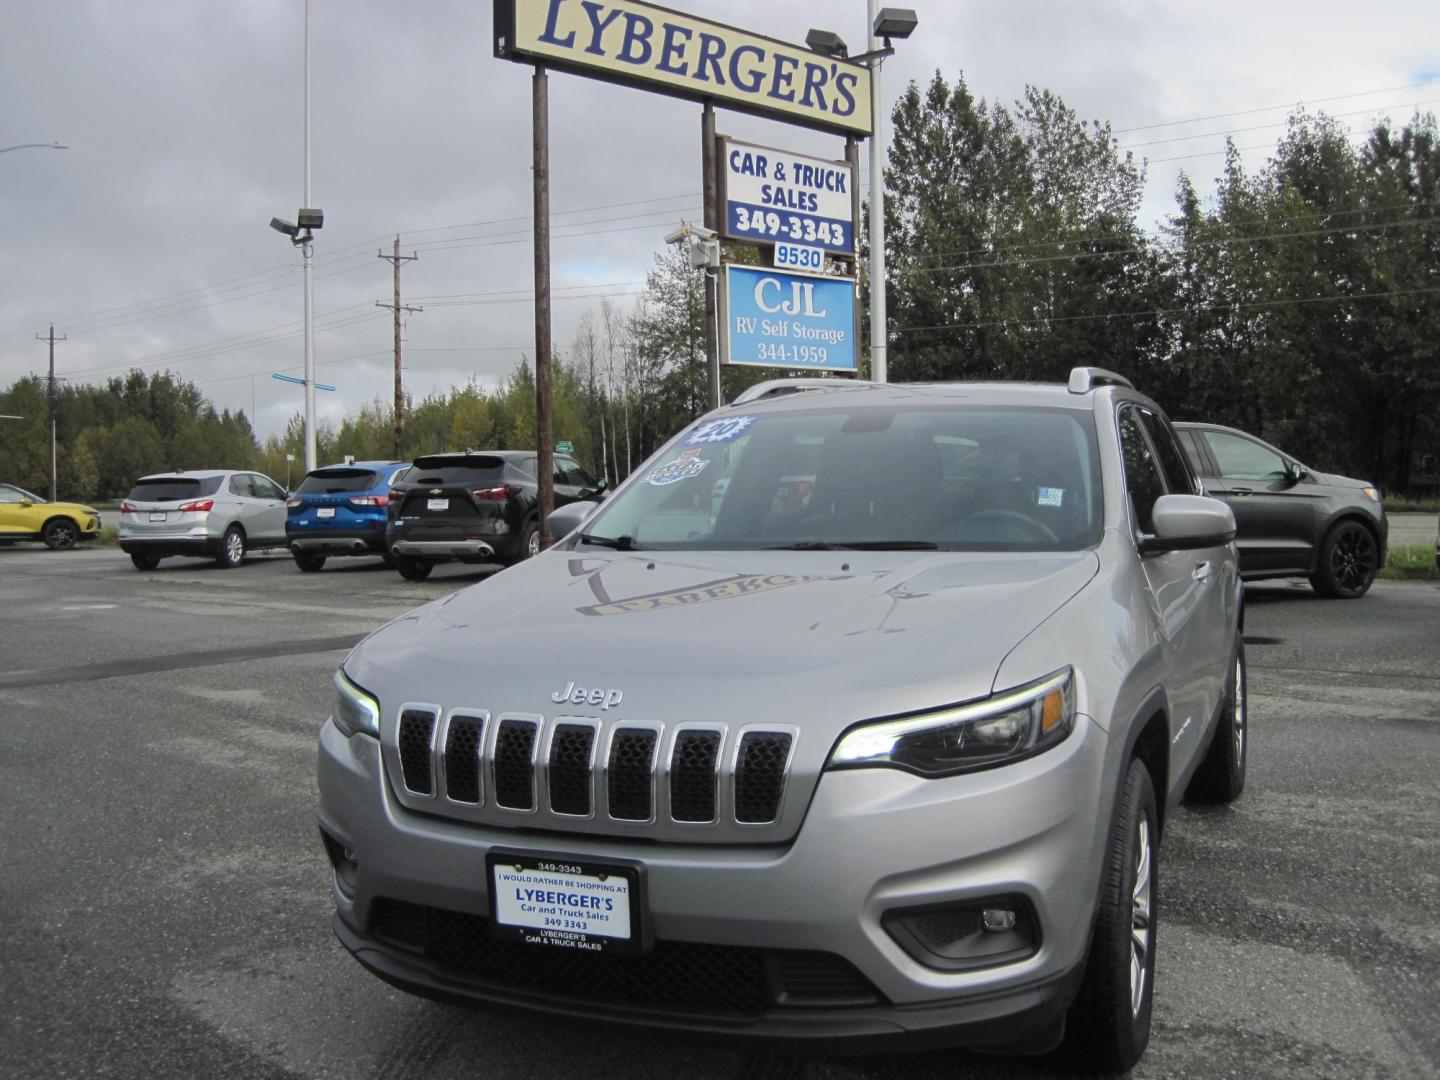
(774, 318)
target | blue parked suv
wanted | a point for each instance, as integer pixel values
(340, 510)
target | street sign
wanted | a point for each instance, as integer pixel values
(776, 318)
(771, 196)
(564, 446)
(299, 382)
(653, 48)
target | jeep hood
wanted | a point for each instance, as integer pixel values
(824, 638)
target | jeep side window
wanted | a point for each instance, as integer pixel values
(1178, 477)
(1143, 482)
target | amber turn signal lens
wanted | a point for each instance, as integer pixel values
(1052, 710)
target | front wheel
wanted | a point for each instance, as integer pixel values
(1349, 561)
(232, 549)
(528, 545)
(60, 534)
(309, 563)
(1109, 1024)
(412, 569)
(1221, 775)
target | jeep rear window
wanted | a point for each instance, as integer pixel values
(968, 478)
(338, 482)
(174, 488)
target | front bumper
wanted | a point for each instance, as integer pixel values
(874, 841)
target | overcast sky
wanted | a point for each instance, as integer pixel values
(146, 241)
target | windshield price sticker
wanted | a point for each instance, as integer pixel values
(560, 904)
(725, 430)
(799, 257)
(776, 197)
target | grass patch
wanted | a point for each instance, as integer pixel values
(1411, 562)
(1412, 506)
(109, 536)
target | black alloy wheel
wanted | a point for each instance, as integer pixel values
(412, 569)
(60, 534)
(528, 544)
(1349, 561)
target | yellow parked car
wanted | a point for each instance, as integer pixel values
(26, 516)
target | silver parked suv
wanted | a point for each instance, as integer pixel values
(214, 513)
(873, 747)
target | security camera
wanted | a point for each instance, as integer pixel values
(280, 225)
(686, 231)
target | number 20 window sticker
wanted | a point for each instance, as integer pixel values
(724, 430)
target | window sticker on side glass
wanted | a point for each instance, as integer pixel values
(688, 465)
(1051, 497)
(724, 430)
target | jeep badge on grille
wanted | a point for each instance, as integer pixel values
(578, 695)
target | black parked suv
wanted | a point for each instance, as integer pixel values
(475, 507)
(1290, 520)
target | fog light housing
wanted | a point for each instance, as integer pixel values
(342, 861)
(964, 936)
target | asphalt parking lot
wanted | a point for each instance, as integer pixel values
(166, 902)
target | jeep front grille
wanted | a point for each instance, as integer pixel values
(700, 782)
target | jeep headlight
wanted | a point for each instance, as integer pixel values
(1007, 727)
(355, 711)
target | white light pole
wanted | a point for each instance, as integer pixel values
(306, 255)
(878, 368)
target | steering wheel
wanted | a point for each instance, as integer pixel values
(1037, 531)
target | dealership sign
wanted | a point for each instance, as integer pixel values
(775, 318)
(640, 44)
(773, 196)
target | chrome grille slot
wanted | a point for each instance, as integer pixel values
(515, 764)
(463, 739)
(760, 769)
(569, 769)
(417, 750)
(693, 776)
(630, 774)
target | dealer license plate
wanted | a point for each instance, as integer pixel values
(437, 504)
(562, 903)
(325, 511)
(157, 517)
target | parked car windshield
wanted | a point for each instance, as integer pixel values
(474, 469)
(174, 488)
(338, 481)
(961, 478)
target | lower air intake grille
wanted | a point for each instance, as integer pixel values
(692, 776)
(760, 776)
(417, 731)
(632, 760)
(462, 758)
(675, 977)
(515, 765)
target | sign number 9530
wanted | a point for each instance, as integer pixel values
(799, 257)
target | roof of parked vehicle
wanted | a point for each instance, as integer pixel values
(358, 465)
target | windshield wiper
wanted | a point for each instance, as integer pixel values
(619, 543)
(859, 545)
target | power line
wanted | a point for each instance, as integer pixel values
(1277, 123)
(1272, 108)
(1158, 312)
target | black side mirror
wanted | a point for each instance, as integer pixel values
(1294, 472)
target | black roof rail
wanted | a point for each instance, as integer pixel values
(1085, 379)
(773, 388)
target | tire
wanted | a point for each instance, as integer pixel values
(144, 562)
(527, 546)
(1109, 1023)
(232, 549)
(309, 563)
(412, 569)
(1221, 775)
(60, 534)
(1349, 561)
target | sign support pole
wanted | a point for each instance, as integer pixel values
(545, 464)
(712, 280)
(852, 155)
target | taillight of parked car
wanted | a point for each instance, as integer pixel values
(294, 501)
(493, 494)
(128, 507)
(370, 500)
(198, 506)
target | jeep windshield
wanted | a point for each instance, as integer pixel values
(963, 478)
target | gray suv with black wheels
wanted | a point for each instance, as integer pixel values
(871, 749)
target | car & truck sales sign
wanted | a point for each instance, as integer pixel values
(775, 197)
(775, 318)
(640, 44)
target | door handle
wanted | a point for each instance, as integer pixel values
(1241, 491)
(1202, 571)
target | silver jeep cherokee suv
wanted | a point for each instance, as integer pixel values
(874, 750)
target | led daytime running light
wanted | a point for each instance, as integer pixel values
(356, 712)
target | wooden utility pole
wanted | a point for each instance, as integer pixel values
(52, 339)
(396, 259)
(545, 444)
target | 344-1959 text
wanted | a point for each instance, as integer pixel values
(791, 354)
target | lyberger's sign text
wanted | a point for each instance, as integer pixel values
(638, 43)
